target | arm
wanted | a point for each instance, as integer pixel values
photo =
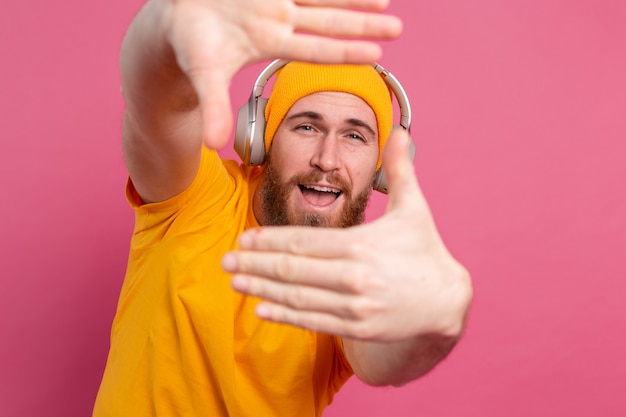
(396, 363)
(162, 127)
(389, 288)
(179, 56)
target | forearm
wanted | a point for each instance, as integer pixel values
(162, 133)
(155, 90)
(397, 363)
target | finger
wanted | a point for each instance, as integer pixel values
(346, 23)
(329, 243)
(405, 196)
(313, 48)
(298, 297)
(335, 275)
(314, 321)
(377, 5)
(214, 100)
(400, 173)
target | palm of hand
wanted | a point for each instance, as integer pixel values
(212, 40)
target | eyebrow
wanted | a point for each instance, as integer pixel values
(361, 123)
(316, 116)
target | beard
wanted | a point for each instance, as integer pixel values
(275, 206)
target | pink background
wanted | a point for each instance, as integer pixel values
(519, 118)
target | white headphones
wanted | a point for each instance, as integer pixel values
(250, 131)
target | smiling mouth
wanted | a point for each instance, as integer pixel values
(318, 195)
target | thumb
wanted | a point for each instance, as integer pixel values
(398, 168)
(214, 101)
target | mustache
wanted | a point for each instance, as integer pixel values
(316, 176)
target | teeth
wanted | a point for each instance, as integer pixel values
(322, 189)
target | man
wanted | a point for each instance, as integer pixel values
(311, 306)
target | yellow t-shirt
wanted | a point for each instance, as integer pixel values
(183, 343)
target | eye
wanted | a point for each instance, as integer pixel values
(306, 128)
(356, 136)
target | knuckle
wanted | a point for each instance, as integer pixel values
(354, 249)
(284, 268)
(296, 243)
(362, 309)
(360, 281)
(353, 309)
(362, 249)
(258, 288)
(296, 299)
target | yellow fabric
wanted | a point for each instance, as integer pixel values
(298, 79)
(183, 343)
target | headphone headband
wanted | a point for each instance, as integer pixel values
(249, 135)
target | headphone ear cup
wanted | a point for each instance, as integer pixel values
(250, 131)
(241, 133)
(380, 181)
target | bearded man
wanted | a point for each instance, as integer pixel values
(221, 314)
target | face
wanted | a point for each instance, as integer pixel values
(321, 164)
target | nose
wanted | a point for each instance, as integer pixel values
(326, 155)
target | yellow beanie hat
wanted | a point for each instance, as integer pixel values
(296, 80)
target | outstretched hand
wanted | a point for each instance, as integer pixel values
(212, 40)
(389, 280)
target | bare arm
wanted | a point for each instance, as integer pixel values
(162, 131)
(397, 363)
(179, 56)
